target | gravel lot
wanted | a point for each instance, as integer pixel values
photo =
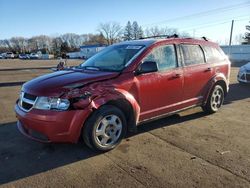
(189, 149)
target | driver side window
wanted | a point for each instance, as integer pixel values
(164, 56)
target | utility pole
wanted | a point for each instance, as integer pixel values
(193, 33)
(231, 34)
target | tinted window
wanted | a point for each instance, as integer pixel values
(164, 56)
(192, 54)
(212, 54)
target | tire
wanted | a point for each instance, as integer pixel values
(241, 83)
(105, 128)
(215, 100)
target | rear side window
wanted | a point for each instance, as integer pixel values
(213, 54)
(192, 54)
(164, 56)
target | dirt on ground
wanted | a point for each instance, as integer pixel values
(189, 149)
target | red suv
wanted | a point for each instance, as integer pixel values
(123, 85)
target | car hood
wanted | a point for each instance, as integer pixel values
(55, 84)
(247, 66)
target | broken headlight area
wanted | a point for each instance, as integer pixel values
(81, 101)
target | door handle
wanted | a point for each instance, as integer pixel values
(176, 76)
(209, 69)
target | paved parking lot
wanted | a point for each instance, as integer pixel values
(189, 149)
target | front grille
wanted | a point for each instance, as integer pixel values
(26, 106)
(27, 101)
(29, 96)
(248, 77)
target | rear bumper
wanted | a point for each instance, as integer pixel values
(51, 126)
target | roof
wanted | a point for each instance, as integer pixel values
(144, 42)
(148, 42)
(93, 46)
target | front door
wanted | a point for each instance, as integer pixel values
(159, 92)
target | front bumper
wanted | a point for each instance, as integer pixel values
(244, 77)
(51, 126)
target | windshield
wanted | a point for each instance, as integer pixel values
(113, 58)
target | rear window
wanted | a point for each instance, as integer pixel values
(213, 54)
(192, 54)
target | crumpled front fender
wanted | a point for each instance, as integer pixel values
(100, 94)
(115, 95)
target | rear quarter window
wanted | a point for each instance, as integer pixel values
(213, 54)
(192, 54)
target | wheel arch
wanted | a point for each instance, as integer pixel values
(126, 107)
(218, 79)
(120, 99)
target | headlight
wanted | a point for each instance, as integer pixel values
(48, 103)
(242, 69)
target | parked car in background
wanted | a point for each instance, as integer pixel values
(2, 56)
(9, 55)
(122, 86)
(24, 56)
(34, 56)
(244, 74)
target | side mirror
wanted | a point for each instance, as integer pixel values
(147, 67)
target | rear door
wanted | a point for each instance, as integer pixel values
(197, 74)
(159, 92)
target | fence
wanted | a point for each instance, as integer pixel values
(237, 52)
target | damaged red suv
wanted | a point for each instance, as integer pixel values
(122, 86)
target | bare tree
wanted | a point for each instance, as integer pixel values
(112, 31)
(156, 31)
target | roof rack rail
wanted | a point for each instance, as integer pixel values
(161, 36)
(205, 38)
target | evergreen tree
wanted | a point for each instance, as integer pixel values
(128, 32)
(140, 33)
(247, 35)
(135, 30)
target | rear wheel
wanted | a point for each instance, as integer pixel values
(215, 100)
(105, 128)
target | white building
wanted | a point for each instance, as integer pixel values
(89, 50)
(237, 52)
(86, 51)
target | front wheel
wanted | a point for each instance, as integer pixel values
(215, 100)
(105, 128)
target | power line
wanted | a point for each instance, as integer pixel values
(212, 23)
(213, 11)
(209, 24)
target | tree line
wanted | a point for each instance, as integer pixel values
(53, 45)
(107, 34)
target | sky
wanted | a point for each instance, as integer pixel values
(210, 18)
